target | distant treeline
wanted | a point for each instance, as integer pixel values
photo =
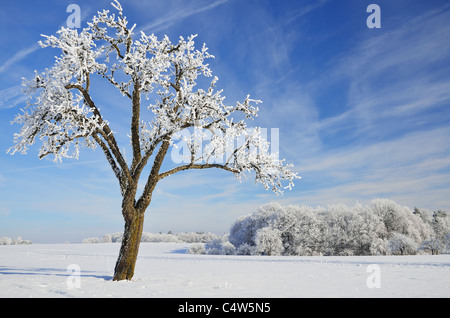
(183, 237)
(9, 241)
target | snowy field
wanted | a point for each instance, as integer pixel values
(164, 270)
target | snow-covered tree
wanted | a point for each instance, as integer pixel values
(400, 244)
(336, 230)
(440, 224)
(400, 219)
(306, 234)
(268, 241)
(432, 245)
(447, 244)
(243, 230)
(5, 240)
(63, 114)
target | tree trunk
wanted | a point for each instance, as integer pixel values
(133, 213)
(134, 224)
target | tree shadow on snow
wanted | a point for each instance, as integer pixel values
(49, 272)
(179, 251)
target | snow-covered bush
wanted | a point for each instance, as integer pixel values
(246, 249)
(196, 237)
(112, 238)
(159, 237)
(5, 240)
(91, 240)
(228, 248)
(107, 238)
(214, 247)
(197, 249)
(8, 241)
(20, 241)
(217, 246)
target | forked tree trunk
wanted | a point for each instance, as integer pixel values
(134, 224)
(133, 213)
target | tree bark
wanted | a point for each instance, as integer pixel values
(134, 224)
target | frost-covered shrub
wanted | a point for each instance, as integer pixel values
(91, 240)
(111, 238)
(268, 241)
(246, 249)
(107, 238)
(301, 250)
(117, 237)
(197, 249)
(19, 241)
(228, 248)
(8, 241)
(196, 237)
(159, 237)
(214, 247)
(5, 240)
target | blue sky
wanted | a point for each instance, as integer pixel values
(362, 113)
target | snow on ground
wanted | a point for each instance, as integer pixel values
(164, 270)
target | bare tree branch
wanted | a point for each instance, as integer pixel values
(135, 121)
(196, 166)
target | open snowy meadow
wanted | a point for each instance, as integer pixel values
(165, 270)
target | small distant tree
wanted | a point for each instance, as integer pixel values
(400, 244)
(432, 245)
(440, 224)
(63, 114)
(5, 240)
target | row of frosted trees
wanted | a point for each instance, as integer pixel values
(381, 228)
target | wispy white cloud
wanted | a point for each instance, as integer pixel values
(414, 168)
(390, 138)
(17, 57)
(179, 14)
(398, 74)
(11, 97)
